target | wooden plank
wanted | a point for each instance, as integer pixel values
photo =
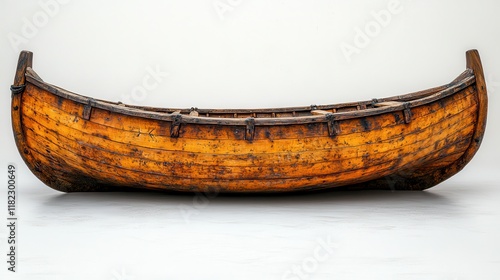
(264, 160)
(241, 184)
(418, 101)
(142, 138)
(63, 147)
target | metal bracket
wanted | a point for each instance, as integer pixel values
(314, 107)
(407, 112)
(17, 89)
(176, 126)
(87, 109)
(333, 125)
(250, 129)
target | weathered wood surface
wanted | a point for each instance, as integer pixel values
(414, 141)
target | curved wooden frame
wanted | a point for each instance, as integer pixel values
(251, 127)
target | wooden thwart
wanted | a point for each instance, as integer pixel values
(388, 103)
(320, 112)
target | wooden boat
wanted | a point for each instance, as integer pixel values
(409, 142)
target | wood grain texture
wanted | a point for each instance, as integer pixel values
(74, 143)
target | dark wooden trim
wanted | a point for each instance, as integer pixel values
(25, 60)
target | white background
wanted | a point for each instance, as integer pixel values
(261, 53)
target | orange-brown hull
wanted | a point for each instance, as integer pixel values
(75, 143)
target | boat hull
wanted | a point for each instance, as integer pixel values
(73, 143)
